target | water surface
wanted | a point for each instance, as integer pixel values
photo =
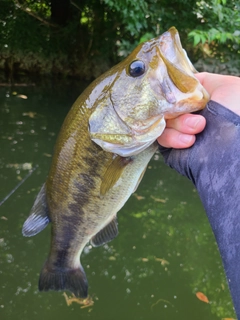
(165, 251)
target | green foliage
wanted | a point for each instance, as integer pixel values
(97, 34)
(220, 22)
(134, 11)
(141, 20)
(217, 35)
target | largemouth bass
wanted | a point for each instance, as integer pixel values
(102, 151)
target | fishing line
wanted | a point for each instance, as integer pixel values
(19, 184)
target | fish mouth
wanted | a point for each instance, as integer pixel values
(169, 41)
(181, 71)
(179, 67)
(180, 88)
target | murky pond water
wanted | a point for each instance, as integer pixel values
(164, 254)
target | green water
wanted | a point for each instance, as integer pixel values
(165, 251)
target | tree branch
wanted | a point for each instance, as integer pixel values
(75, 5)
(29, 11)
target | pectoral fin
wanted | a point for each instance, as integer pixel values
(38, 218)
(108, 233)
(113, 173)
(140, 179)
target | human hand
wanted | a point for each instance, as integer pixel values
(180, 132)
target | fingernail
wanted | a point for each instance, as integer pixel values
(185, 138)
(192, 122)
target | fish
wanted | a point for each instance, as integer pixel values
(102, 151)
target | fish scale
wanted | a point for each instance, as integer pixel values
(103, 150)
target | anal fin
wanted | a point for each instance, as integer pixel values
(108, 233)
(38, 218)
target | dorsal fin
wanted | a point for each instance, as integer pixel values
(108, 233)
(38, 218)
(113, 173)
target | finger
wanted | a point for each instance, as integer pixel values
(171, 138)
(212, 81)
(222, 89)
(187, 123)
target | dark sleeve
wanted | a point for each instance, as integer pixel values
(213, 165)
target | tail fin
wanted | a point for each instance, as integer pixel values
(74, 280)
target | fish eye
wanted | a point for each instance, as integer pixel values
(136, 68)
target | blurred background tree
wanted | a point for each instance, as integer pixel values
(83, 38)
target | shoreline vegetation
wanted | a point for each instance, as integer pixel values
(82, 39)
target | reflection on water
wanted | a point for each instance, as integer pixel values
(164, 254)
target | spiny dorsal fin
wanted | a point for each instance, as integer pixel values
(113, 173)
(38, 218)
(108, 233)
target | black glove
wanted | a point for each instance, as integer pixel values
(213, 165)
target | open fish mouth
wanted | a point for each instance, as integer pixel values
(179, 67)
(171, 47)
